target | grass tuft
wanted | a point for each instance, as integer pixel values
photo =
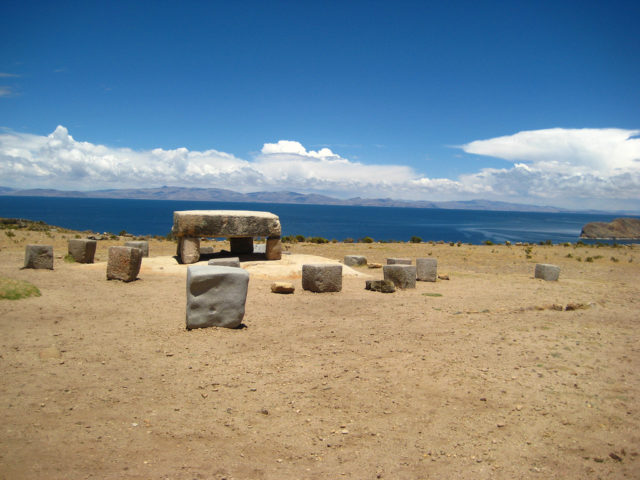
(16, 289)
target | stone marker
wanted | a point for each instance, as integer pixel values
(188, 249)
(240, 226)
(141, 244)
(282, 287)
(355, 260)
(124, 263)
(225, 262)
(39, 257)
(402, 276)
(323, 277)
(383, 286)
(426, 269)
(82, 249)
(398, 261)
(546, 271)
(216, 296)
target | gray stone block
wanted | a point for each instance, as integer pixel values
(225, 262)
(260, 248)
(426, 269)
(82, 250)
(141, 244)
(383, 286)
(398, 261)
(124, 263)
(216, 296)
(323, 277)
(39, 257)
(188, 249)
(548, 272)
(355, 260)
(402, 276)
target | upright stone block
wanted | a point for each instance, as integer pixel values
(141, 244)
(124, 263)
(189, 249)
(355, 260)
(39, 257)
(82, 250)
(398, 261)
(547, 272)
(241, 245)
(273, 250)
(322, 277)
(402, 276)
(225, 262)
(216, 296)
(427, 269)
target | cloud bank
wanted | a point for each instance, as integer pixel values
(580, 168)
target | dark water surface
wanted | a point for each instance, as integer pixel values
(155, 217)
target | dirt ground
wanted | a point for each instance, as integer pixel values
(479, 376)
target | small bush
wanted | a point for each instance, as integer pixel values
(488, 242)
(123, 233)
(614, 260)
(300, 238)
(9, 233)
(69, 258)
(415, 239)
(348, 240)
(588, 259)
(366, 240)
(317, 240)
(289, 239)
(507, 243)
(451, 244)
(569, 255)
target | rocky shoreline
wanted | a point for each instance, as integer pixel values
(618, 229)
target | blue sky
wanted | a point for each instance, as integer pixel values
(534, 102)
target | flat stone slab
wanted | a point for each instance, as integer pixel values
(547, 272)
(398, 261)
(402, 276)
(225, 223)
(216, 296)
(225, 262)
(323, 277)
(39, 257)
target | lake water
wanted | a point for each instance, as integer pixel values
(155, 217)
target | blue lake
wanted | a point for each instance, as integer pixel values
(155, 217)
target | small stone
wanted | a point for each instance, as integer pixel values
(374, 265)
(598, 459)
(615, 456)
(547, 272)
(501, 425)
(443, 277)
(576, 306)
(382, 286)
(282, 287)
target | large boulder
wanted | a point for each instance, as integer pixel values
(216, 296)
(402, 276)
(39, 257)
(124, 263)
(547, 272)
(82, 250)
(323, 277)
(427, 269)
(355, 260)
(141, 244)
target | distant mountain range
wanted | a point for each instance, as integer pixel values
(223, 195)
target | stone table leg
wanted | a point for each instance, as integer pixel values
(274, 248)
(188, 249)
(241, 245)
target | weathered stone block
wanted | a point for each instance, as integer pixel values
(273, 249)
(216, 296)
(282, 287)
(398, 261)
(383, 286)
(225, 262)
(259, 248)
(426, 269)
(141, 244)
(241, 245)
(39, 257)
(124, 263)
(548, 272)
(82, 250)
(402, 276)
(225, 223)
(355, 260)
(189, 249)
(320, 278)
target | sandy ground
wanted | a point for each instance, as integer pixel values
(475, 377)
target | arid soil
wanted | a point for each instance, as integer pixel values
(484, 375)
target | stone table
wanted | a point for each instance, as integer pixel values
(239, 226)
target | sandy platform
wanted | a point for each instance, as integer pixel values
(481, 376)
